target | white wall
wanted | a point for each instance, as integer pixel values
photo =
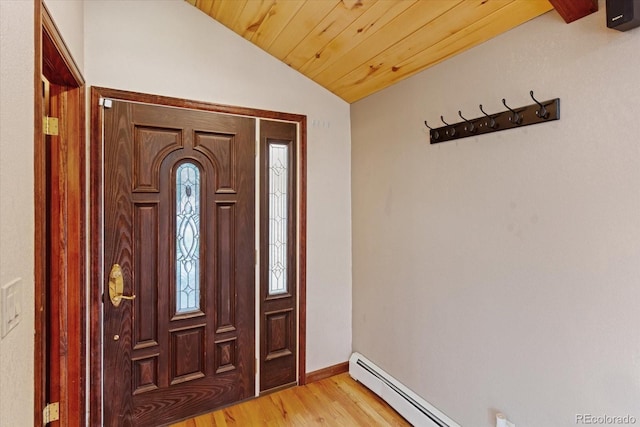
(502, 272)
(170, 48)
(16, 205)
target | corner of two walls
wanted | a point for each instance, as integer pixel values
(500, 273)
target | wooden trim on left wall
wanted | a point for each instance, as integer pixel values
(40, 231)
(54, 62)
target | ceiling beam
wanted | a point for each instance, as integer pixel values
(572, 10)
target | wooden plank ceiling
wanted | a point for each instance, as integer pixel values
(357, 47)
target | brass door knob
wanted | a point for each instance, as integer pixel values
(116, 286)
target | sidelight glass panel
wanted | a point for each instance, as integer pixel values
(278, 212)
(187, 238)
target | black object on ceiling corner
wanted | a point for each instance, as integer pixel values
(623, 15)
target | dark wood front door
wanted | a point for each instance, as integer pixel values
(179, 222)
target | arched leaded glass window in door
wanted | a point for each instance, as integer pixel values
(187, 238)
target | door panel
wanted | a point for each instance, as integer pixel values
(278, 272)
(179, 220)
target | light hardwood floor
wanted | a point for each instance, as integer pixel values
(336, 401)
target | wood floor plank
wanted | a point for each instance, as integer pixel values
(336, 401)
(291, 406)
(374, 408)
(331, 411)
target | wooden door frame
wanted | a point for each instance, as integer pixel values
(54, 61)
(96, 221)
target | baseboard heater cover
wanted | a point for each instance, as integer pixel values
(408, 404)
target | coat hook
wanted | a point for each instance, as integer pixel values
(472, 128)
(453, 130)
(515, 118)
(542, 112)
(492, 122)
(435, 134)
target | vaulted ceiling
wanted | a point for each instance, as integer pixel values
(357, 47)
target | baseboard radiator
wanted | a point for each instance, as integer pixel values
(408, 404)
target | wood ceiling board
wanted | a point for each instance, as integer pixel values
(375, 17)
(357, 47)
(252, 16)
(203, 5)
(304, 21)
(279, 16)
(450, 22)
(215, 8)
(500, 21)
(397, 29)
(327, 29)
(229, 12)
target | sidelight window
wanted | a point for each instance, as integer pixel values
(278, 217)
(187, 238)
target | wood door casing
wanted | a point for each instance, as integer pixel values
(160, 365)
(59, 219)
(278, 312)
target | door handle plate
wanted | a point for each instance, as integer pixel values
(116, 286)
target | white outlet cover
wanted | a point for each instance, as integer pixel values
(10, 302)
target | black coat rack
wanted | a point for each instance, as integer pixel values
(533, 114)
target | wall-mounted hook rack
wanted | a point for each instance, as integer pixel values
(539, 112)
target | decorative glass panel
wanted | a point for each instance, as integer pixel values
(187, 238)
(278, 211)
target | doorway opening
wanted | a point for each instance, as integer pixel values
(59, 158)
(173, 306)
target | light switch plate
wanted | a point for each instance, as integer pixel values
(10, 299)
